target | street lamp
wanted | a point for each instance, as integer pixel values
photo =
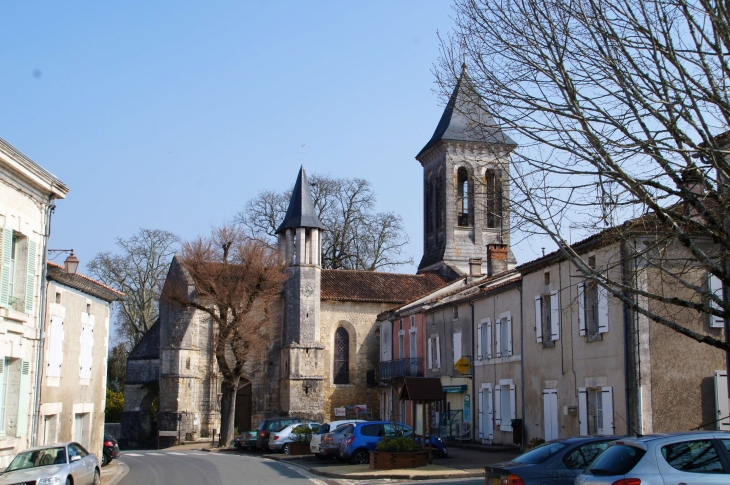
(72, 262)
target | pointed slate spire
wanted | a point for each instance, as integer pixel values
(457, 123)
(301, 212)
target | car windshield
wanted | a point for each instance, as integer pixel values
(616, 460)
(36, 458)
(540, 454)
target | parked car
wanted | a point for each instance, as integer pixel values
(330, 445)
(364, 437)
(663, 459)
(558, 462)
(269, 425)
(327, 428)
(110, 450)
(246, 440)
(280, 439)
(51, 464)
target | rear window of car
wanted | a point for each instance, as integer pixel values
(616, 460)
(540, 454)
(582, 456)
(325, 428)
(698, 456)
(371, 429)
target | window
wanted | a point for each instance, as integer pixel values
(372, 430)
(505, 405)
(494, 200)
(581, 457)
(463, 198)
(439, 203)
(434, 352)
(50, 429)
(413, 321)
(503, 335)
(547, 318)
(457, 346)
(14, 396)
(17, 276)
(714, 286)
(595, 411)
(82, 423)
(455, 312)
(401, 346)
(540, 454)
(617, 460)
(429, 205)
(74, 449)
(693, 456)
(58, 298)
(342, 356)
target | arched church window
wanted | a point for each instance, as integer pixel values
(342, 356)
(463, 198)
(494, 200)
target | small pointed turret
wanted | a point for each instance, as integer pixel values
(465, 119)
(301, 211)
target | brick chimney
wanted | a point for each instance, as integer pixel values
(497, 258)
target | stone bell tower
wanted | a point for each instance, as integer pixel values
(466, 189)
(302, 355)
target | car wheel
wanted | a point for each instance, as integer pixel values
(286, 449)
(68, 481)
(97, 478)
(104, 459)
(320, 456)
(361, 457)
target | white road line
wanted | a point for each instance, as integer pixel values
(176, 453)
(155, 454)
(305, 474)
(132, 454)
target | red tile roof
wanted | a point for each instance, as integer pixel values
(350, 285)
(90, 280)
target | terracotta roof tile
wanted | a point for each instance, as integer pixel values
(86, 278)
(350, 285)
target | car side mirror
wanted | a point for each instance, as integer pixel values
(75, 458)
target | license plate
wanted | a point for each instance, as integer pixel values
(494, 481)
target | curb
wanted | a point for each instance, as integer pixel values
(124, 469)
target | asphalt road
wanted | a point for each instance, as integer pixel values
(153, 467)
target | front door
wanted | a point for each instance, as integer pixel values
(486, 414)
(550, 413)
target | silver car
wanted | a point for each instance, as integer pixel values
(57, 464)
(663, 459)
(280, 440)
(316, 442)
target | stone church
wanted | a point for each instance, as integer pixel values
(329, 335)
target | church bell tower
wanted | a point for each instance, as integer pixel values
(302, 355)
(466, 189)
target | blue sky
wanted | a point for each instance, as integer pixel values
(171, 115)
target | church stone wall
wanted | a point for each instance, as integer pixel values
(359, 319)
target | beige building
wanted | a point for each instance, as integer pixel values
(27, 192)
(75, 349)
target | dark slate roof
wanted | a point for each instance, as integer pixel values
(372, 286)
(422, 389)
(56, 272)
(464, 106)
(149, 347)
(301, 212)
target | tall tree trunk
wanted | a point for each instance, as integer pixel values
(228, 410)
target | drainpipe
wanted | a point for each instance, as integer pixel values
(41, 324)
(624, 278)
(522, 372)
(474, 403)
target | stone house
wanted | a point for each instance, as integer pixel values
(74, 359)
(27, 193)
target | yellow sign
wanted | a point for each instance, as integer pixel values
(462, 365)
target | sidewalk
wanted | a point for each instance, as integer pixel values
(113, 473)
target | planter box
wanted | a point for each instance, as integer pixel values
(299, 449)
(385, 460)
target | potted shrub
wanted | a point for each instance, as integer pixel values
(302, 435)
(401, 452)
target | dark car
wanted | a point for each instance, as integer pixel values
(557, 462)
(246, 440)
(330, 445)
(110, 451)
(270, 425)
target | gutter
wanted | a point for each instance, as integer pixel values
(41, 324)
(622, 257)
(474, 404)
(522, 371)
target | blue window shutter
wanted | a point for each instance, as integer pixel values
(23, 398)
(30, 278)
(7, 247)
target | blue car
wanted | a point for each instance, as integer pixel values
(362, 438)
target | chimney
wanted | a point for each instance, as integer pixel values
(692, 178)
(475, 266)
(496, 258)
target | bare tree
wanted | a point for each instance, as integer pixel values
(136, 270)
(617, 106)
(355, 236)
(237, 280)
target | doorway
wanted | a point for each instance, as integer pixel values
(244, 398)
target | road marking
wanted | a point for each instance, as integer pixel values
(176, 453)
(132, 454)
(155, 454)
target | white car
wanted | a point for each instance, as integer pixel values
(57, 464)
(326, 428)
(280, 440)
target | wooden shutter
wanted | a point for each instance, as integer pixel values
(607, 402)
(7, 251)
(438, 352)
(430, 353)
(479, 345)
(538, 318)
(490, 414)
(583, 411)
(602, 309)
(512, 402)
(498, 405)
(87, 343)
(481, 412)
(581, 309)
(457, 346)
(715, 286)
(23, 398)
(498, 336)
(550, 413)
(554, 316)
(55, 347)
(722, 407)
(489, 338)
(30, 277)
(509, 335)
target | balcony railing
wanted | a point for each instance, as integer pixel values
(394, 369)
